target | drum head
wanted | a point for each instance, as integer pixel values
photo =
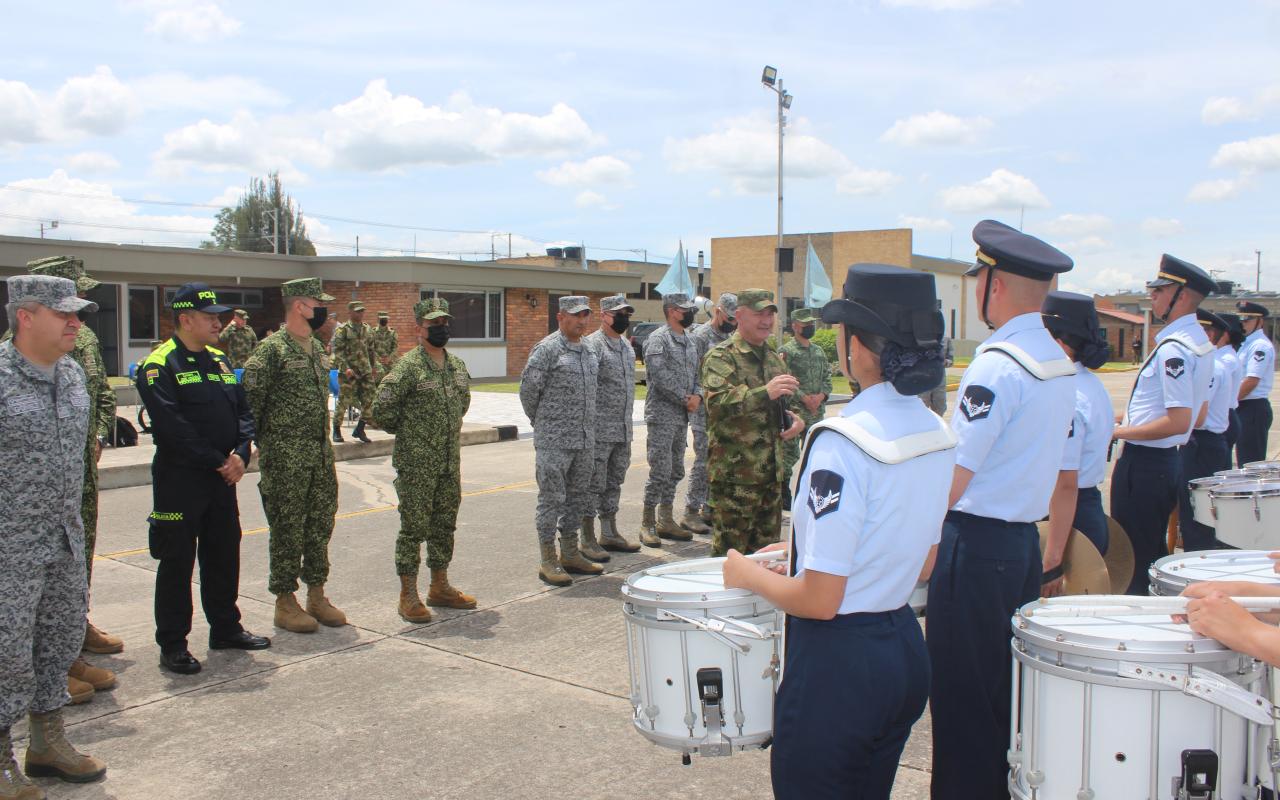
(1083, 569)
(697, 581)
(1119, 557)
(1219, 565)
(1143, 634)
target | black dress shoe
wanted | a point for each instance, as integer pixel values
(181, 662)
(239, 641)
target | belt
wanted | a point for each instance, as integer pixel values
(965, 516)
(1147, 450)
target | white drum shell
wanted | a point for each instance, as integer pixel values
(1201, 504)
(1248, 519)
(919, 598)
(1172, 574)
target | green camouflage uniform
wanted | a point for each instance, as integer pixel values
(423, 403)
(746, 453)
(240, 341)
(810, 367)
(385, 344)
(288, 392)
(352, 350)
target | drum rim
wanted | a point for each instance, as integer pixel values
(1034, 633)
(642, 595)
(1208, 480)
(1266, 466)
(1245, 489)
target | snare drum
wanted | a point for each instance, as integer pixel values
(1267, 470)
(1104, 706)
(1248, 514)
(919, 598)
(1171, 574)
(1201, 507)
(1236, 474)
(704, 659)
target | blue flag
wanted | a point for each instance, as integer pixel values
(677, 280)
(817, 286)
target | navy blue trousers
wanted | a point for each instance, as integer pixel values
(986, 569)
(1255, 423)
(1144, 492)
(853, 687)
(1233, 432)
(1090, 519)
(1203, 455)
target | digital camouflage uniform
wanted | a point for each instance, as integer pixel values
(671, 373)
(746, 457)
(423, 404)
(44, 422)
(615, 405)
(238, 341)
(705, 336)
(353, 350)
(288, 392)
(385, 344)
(811, 369)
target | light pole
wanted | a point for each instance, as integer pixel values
(1258, 286)
(769, 78)
(51, 226)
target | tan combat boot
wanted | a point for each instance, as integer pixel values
(291, 617)
(97, 677)
(550, 570)
(101, 642)
(648, 528)
(667, 527)
(411, 608)
(587, 541)
(610, 539)
(572, 560)
(705, 514)
(693, 523)
(325, 612)
(50, 755)
(80, 691)
(443, 594)
(13, 784)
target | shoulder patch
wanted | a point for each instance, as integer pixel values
(977, 402)
(1258, 355)
(825, 488)
(1174, 367)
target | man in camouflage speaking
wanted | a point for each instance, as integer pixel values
(238, 339)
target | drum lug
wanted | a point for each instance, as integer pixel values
(1199, 776)
(1257, 512)
(711, 694)
(1085, 794)
(771, 671)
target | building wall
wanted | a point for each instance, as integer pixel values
(527, 325)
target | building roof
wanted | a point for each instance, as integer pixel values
(942, 266)
(1122, 316)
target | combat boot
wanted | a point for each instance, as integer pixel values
(693, 523)
(571, 557)
(13, 784)
(97, 677)
(587, 541)
(610, 539)
(411, 608)
(648, 528)
(667, 527)
(358, 433)
(325, 612)
(101, 642)
(291, 617)
(50, 755)
(443, 594)
(705, 514)
(550, 570)
(337, 431)
(80, 691)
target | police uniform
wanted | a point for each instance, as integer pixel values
(199, 417)
(1258, 360)
(1012, 419)
(1229, 355)
(1206, 452)
(870, 500)
(1146, 478)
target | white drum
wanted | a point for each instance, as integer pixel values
(919, 598)
(1105, 706)
(1237, 474)
(704, 659)
(1201, 507)
(1267, 470)
(1248, 514)
(1171, 574)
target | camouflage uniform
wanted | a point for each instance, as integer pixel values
(353, 350)
(385, 344)
(558, 392)
(423, 403)
(288, 391)
(44, 422)
(705, 336)
(671, 372)
(239, 341)
(746, 456)
(810, 367)
(615, 404)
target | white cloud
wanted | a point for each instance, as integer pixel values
(21, 121)
(1001, 190)
(1084, 246)
(744, 150)
(1213, 191)
(1155, 226)
(945, 5)
(594, 171)
(936, 128)
(92, 162)
(590, 199)
(1258, 153)
(242, 145)
(1107, 280)
(866, 182)
(174, 91)
(1221, 110)
(230, 196)
(99, 103)
(930, 224)
(190, 22)
(1077, 225)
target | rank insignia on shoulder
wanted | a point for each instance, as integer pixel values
(1258, 355)
(1174, 367)
(977, 402)
(825, 488)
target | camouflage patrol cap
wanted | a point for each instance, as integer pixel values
(729, 304)
(68, 267)
(52, 292)
(242, 314)
(677, 299)
(355, 305)
(574, 304)
(305, 287)
(616, 302)
(432, 308)
(384, 315)
(803, 315)
(756, 299)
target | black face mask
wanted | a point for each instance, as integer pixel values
(807, 331)
(727, 327)
(438, 335)
(319, 316)
(620, 323)
(382, 323)
(687, 319)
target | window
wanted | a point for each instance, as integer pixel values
(142, 315)
(652, 290)
(477, 313)
(640, 295)
(236, 298)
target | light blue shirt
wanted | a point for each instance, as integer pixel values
(1173, 377)
(1235, 371)
(1216, 419)
(1091, 427)
(1258, 358)
(870, 522)
(1013, 427)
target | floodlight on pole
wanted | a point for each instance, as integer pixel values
(772, 82)
(769, 76)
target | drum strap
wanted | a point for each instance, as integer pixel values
(1040, 370)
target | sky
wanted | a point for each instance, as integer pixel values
(1115, 130)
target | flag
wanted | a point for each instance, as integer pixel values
(817, 286)
(677, 280)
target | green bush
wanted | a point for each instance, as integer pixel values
(826, 339)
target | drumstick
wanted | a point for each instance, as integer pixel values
(700, 564)
(1110, 605)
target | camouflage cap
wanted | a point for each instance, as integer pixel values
(242, 314)
(803, 315)
(355, 305)
(677, 299)
(574, 304)
(53, 292)
(616, 302)
(432, 308)
(305, 287)
(729, 304)
(756, 299)
(384, 315)
(68, 267)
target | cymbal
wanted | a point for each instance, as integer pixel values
(1083, 569)
(1119, 557)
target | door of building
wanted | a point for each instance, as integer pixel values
(106, 323)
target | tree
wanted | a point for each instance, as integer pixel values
(264, 220)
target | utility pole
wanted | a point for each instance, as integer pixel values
(1257, 286)
(773, 83)
(52, 226)
(357, 244)
(508, 245)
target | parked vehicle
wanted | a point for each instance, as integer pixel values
(639, 332)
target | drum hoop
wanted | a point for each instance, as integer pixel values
(690, 745)
(1239, 490)
(1212, 480)
(1035, 633)
(1110, 678)
(1263, 465)
(676, 625)
(690, 599)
